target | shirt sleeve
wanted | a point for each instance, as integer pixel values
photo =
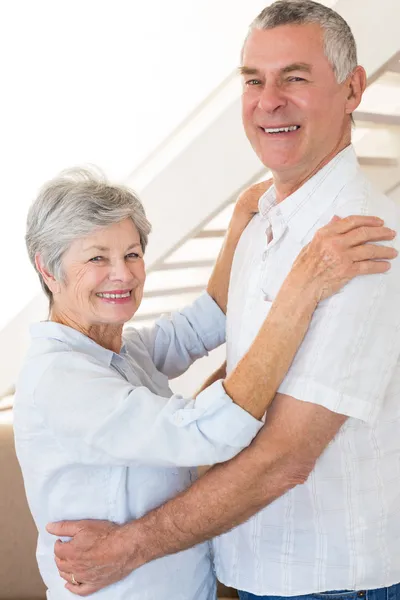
(351, 349)
(179, 339)
(100, 418)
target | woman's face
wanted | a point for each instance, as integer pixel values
(104, 275)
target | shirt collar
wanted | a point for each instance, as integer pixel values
(301, 210)
(74, 339)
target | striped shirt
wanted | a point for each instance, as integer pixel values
(340, 529)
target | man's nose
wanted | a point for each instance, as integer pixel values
(271, 98)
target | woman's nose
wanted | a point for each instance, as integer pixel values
(120, 271)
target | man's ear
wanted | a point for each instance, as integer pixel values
(48, 278)
(356, 84)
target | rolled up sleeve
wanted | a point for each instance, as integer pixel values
(217, 417)
(100, 418)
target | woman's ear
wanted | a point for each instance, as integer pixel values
(48, 278)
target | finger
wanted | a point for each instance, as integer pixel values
(352, 222)
(371, 267)
(64, 575)
(372, 252)
(61, 549)
(85, 589)
(63, 564)
(363, 234)
(65, 528)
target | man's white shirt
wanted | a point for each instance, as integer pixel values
(341, 529)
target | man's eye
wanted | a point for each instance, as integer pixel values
(253, 82)
(294, 79)
(133, 255)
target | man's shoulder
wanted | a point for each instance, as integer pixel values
(360, 197)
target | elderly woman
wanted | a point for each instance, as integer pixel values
(99, 434)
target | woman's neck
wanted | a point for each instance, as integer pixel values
(108, 336)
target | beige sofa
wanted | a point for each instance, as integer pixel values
(19, 576)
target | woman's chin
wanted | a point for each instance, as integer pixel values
(117, 315)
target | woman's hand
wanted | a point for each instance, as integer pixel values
(247, 204)
(246, 207)
(339, 252)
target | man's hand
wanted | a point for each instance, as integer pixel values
(95, 556)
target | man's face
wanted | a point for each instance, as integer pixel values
(289, 83)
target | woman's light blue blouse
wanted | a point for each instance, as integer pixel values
(100, 435)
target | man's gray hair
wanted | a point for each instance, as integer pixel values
(74, 205)
(339, 42)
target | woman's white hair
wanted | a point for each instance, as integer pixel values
(74, 205)
(339, 42)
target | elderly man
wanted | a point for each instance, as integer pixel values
(322, 516)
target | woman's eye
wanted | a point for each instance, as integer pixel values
(96, 259)
(133, 255)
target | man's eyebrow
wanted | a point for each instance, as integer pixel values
(248, 71)
(305, 67)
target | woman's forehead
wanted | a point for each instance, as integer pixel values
(120, 235)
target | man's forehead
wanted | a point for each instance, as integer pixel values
(303, 40)
(281, 47)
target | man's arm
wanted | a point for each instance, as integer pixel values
(281, 457)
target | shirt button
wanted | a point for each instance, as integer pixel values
(361, 594)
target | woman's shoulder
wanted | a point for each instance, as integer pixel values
(55, 359)
(136, 341)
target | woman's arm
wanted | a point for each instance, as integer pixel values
(246, 207)
(337, 253)
(177, 340)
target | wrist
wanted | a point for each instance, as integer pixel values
(299, 295)
(130, 545)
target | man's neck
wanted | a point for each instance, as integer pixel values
(287, 183)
